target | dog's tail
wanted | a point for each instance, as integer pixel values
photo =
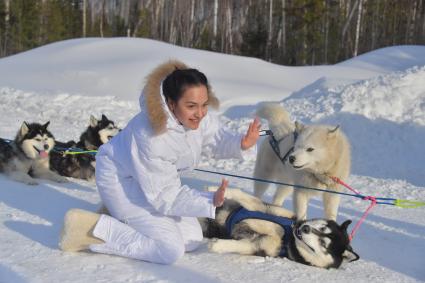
(277, 117)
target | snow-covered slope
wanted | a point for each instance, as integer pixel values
(378, 98)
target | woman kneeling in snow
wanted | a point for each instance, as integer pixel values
(153, 216)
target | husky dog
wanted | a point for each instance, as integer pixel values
(82, 166)
(28, 155)
(97, 133)
(302, 155)
(317, 242)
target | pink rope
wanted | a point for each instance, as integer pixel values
(372, 204)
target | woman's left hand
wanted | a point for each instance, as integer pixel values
(219, 194)
(251, 135)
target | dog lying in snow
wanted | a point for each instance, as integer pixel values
(272, 231)
(27, 156)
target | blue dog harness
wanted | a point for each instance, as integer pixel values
(242, 213)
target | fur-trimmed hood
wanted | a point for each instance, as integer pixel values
(153, 101)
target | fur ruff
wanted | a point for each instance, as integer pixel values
(152, 94)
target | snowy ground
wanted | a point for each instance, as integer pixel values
(378, 99)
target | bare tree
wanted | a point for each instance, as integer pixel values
(270, 32)
(215, 23)
(84, 18)
(347, 23)
(7, 27)
(282, 32)
(359, 19)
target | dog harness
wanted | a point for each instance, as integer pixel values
(274, 143)
(242, 213)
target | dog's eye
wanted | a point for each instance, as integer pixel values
(38, 139)
(310, 149)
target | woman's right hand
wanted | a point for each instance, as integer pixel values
(219, 194)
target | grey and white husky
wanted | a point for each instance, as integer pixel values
(82, 166)
(273, 231)
(28, 155)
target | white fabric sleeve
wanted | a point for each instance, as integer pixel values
(159, 180)
(223, 142)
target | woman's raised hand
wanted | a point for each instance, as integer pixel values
(219, 194)
(252, 134)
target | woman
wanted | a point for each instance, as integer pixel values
(137, 172)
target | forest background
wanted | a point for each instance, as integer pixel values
(288, 32)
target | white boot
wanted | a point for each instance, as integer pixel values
(77, 231)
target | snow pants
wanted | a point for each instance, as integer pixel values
(135, 230)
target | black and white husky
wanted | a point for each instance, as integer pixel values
(82, 166)
(28, 155)
(273, 231)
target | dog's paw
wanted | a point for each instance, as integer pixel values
(63, 180)
(211, 188)
(60, 179)
(216, 246)
(31, 182)
(231, 193)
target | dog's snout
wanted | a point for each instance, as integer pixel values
(306, 229)
(291, 159)
(46, 146)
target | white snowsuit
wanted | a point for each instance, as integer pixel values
(137, 175)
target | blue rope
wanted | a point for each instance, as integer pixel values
(383, 200)
(387, 201)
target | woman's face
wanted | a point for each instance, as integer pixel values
(192, 106)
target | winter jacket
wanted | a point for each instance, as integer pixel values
(154, 148)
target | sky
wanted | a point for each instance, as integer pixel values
(377, 98)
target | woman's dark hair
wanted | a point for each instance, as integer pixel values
(178, 81)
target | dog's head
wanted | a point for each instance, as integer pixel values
(35, 140)
(324, 243)
(316, 147)
(104, 127)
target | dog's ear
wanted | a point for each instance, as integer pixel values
(345, 225)
(349, 255)
(45, 125)
(299, 126)
(93, 121)
(334, 130)
(24, 129)
(104, 118)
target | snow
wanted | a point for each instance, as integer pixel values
(378, 98)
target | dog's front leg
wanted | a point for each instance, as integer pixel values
(279, 211)
(244, 246)
(281, 193)
(331, 204)
(22, 177)
(246, 200)
(255, 204)
(50, 175)
(301, 199)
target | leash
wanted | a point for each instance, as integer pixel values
(66, 151)
(73, 151)
(387, 201)
(402, 203)
(374, 200)
(373, 203)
